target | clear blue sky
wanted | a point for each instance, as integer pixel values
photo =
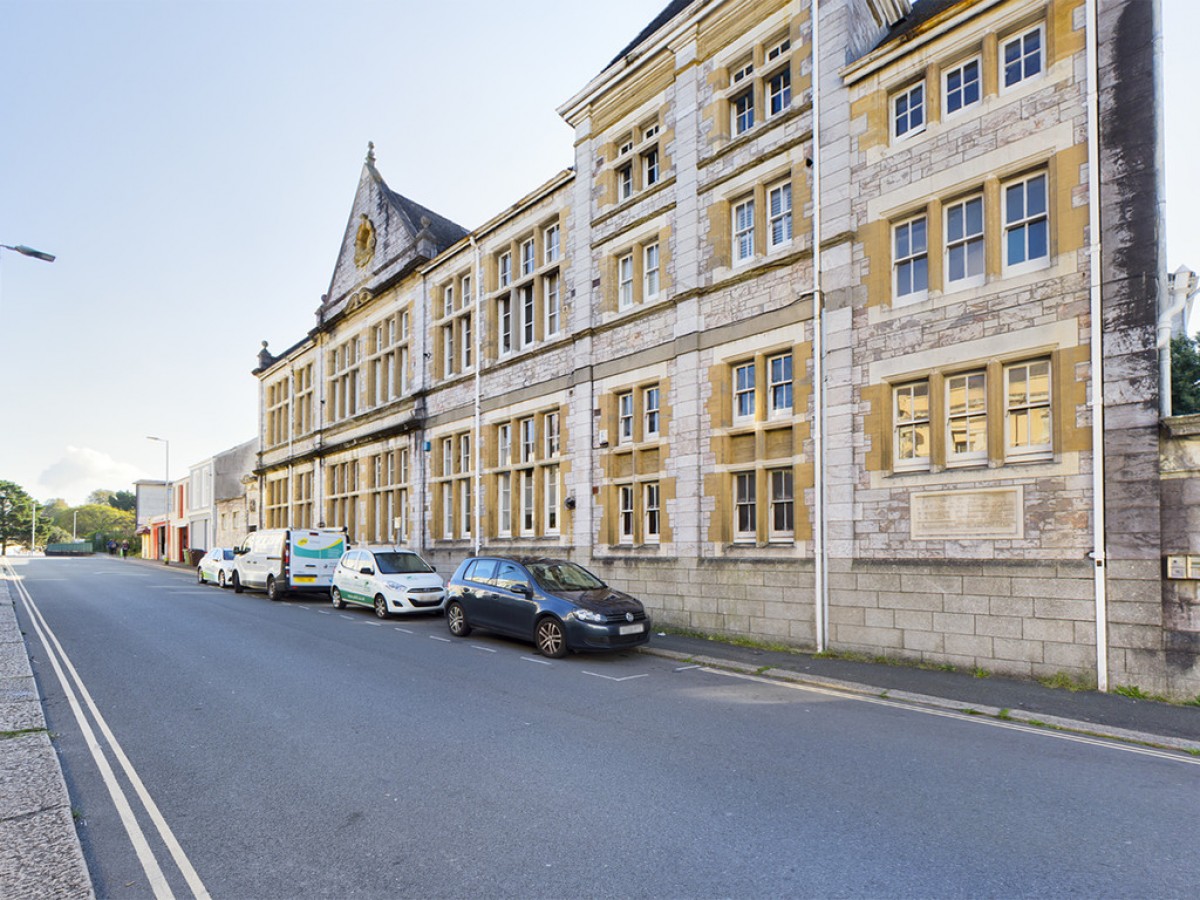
(192, 165)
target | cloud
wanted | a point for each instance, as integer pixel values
(84, 470)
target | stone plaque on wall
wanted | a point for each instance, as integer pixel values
(992, 513)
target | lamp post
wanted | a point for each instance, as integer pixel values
(4, 524)
(166, 491)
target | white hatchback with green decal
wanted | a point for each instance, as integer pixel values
(390, 581)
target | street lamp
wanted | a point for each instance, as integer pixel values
(4, 524)
(29, 251)
(166, 491)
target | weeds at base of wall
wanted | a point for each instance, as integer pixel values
(1068, 682)
(1133, 692)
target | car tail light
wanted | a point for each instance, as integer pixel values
(287, 559)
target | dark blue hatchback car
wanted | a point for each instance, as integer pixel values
(559, 605)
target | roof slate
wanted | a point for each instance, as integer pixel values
(922, 12)
(673, 9)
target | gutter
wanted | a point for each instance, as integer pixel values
(1099, 498)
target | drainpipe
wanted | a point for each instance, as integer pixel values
(820, 571)
(1100, 547)
(476, 445)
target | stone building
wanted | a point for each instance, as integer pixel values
(801, 349)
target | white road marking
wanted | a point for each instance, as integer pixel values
(59, 660)
(405, 630)
(484, 649)
(344, 616)
(374, 624)
(686, 668)
(540, 662)
(965, 717)
(611, 678)
(434, 637)
(324, 612)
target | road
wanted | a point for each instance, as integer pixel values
(292, 750)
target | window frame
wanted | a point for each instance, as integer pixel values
(651, 513)
(1025, 222)
(741, 109)
(650, 273)
(911, 259)
(781, 504)
(968, 415)
(743, 238)
(625, 282)
(1029, 452)
(775, 385)
(552, 304)
(651, 414)
(743, 391)
(504, 269)
(965, 241)
(922, 107)
(625, 514)
(1004, 64)
(961, 90)
(745, 506)
(550, 493)
(783, 94)
(914, 423)
(624, 418)
(551, 243)
(783, 217)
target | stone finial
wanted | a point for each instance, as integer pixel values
(370, 153)
(264, 356)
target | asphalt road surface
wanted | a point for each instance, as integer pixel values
(291, 750)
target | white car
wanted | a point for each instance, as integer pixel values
(217, 565)
(392, 581)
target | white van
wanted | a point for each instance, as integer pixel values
(285, 560)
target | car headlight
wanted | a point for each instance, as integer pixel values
(586, 615)
(395, 585)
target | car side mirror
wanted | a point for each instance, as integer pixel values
(366, 570)
(239, 551)
(525, 589)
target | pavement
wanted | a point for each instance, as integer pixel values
(40, 853)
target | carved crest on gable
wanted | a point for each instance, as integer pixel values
(364, 242)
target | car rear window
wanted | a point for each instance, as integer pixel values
(400, 564)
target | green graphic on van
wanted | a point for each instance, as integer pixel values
(315, 548)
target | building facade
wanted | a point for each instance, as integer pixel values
(802, 349)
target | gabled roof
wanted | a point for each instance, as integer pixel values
(443, 230)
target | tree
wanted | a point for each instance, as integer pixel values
(100, 497)
(16, 515)
(124, 500)
(1185, 375)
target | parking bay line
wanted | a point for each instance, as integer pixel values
(484, 649)
(405, 630)
(540, 662)
(434, 637)
(613, 678)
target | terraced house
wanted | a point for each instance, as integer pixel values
(801, 349)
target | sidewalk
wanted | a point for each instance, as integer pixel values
(40, 854)
(1087, 712)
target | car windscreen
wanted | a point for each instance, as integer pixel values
(226, 554)
(564, 576)
(400, 564)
